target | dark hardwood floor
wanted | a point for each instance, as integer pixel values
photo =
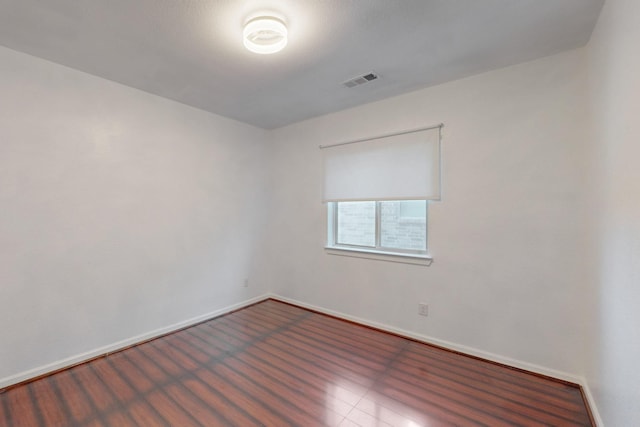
(279, 365)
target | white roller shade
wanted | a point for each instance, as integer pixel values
(403, 166)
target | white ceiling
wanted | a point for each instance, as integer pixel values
(191, 50)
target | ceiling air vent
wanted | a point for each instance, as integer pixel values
(360, 80)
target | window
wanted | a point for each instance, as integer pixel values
(377, 192)
(397, 227)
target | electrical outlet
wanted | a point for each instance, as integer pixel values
(246, 283)
(423, 309)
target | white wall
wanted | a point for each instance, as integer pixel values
(120, 212)
(614, 59)
(508, 237)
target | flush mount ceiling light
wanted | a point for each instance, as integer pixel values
(265, 35)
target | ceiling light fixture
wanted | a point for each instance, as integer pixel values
(265, 35)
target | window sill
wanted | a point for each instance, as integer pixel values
(424, 260)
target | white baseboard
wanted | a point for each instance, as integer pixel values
(592, 403)
(581, 381)
(79, 358)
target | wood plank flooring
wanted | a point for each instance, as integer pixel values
(275, 364)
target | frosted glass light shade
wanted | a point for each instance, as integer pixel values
(265, 35)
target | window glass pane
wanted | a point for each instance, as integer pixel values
(412, 208)
(356, 223)
(403, 225)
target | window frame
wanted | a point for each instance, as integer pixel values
(378, 250)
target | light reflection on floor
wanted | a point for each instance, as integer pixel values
(347, 407)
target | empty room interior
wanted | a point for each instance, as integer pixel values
(320, 212)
